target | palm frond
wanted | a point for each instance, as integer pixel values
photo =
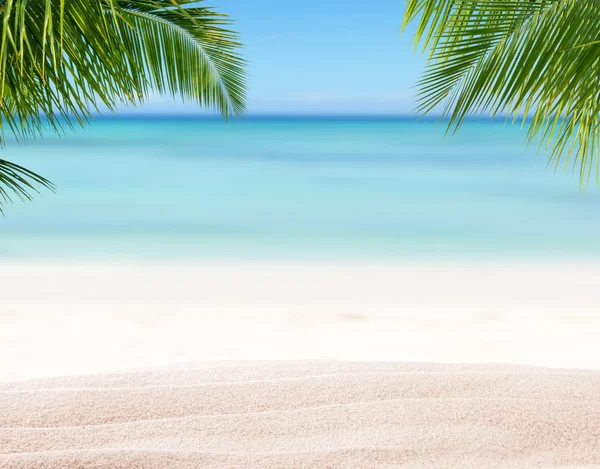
(520, 58)
(60, 60)
(17, 181)
(188, 52)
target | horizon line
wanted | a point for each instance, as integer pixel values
(413, 117)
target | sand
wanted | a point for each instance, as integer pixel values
(60, 319)
(88, 321)
(305, 415)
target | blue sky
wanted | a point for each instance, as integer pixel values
(322, 57)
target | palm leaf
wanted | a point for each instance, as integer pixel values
(17, 181)
(62, 59)
(535, 58)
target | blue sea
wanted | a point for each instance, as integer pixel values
(297, 188)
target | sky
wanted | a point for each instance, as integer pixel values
(322, 57)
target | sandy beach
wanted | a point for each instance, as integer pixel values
(146, 365)
(60, 319)
(253, 238)
(306, 415)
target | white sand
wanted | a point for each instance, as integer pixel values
(65, 319)
(68, 319)
(306, 415)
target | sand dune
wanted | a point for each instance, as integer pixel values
(305, 415)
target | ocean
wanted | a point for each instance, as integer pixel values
(169, 187)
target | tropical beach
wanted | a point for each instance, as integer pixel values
(268, 305)
(374, 249)
(270, 235)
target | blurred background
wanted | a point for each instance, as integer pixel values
(184, 238)
(193, 187)
(328, 223)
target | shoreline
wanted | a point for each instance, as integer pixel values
(71, 318)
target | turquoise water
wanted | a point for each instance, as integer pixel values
(297, 188)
